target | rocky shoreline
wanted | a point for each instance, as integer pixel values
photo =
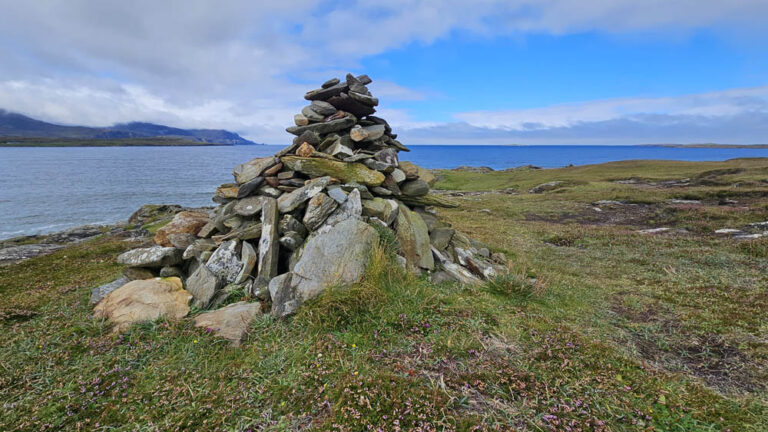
(17, 249)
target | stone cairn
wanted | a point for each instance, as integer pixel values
(293, 224)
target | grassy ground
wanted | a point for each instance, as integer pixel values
(621, 331)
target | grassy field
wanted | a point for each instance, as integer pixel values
(620, 331)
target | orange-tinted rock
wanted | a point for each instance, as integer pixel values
(305, 150)
(144, 300)
(185, 222)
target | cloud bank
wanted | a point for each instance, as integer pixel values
(241, 64)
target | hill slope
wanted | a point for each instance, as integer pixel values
(21, 126)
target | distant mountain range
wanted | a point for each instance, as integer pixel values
(13, 125)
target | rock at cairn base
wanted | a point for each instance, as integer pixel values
(293, 224)
(144, 300)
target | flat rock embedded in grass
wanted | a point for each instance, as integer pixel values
(142, 301)
(230, 322)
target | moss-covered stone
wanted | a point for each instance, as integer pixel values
(344, 171)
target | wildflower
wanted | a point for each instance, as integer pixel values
(194, 341)
(354, 346)
(355, 373)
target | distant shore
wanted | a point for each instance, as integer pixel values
(117, 142)
(750, 146)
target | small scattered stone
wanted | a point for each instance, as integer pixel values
(300, 120)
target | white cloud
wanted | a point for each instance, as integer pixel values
(712, 104)
(244, 64)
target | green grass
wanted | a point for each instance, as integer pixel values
(619, 331)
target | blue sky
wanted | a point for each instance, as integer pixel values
(446, 72)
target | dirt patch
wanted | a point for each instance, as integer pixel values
(662, 342)
(635, 215)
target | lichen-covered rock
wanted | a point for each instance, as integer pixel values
(415, 188)
(155, 256)
(349, 242)
(456, 271)
(181, 241)
(440, 237)
(230, 322)
(344, 171)
(248, 257)
(138, 273)
(249, 206)
(225, 262)
(385, 210)
(268, 246)
(429, 200)
(144, 300)
(352, 208)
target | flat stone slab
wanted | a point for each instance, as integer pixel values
(14, 254)
(337, 255)
(345, 171)
(230, 322)
(155, 256)
(413, 236)
(101, 291)
(185, 222)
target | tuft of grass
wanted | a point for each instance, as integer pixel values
(342, 306)
(519, 286)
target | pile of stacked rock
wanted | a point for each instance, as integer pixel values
(293, 224)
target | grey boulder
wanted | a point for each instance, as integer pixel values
(349, 242)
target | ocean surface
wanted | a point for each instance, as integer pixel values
(49, 189)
